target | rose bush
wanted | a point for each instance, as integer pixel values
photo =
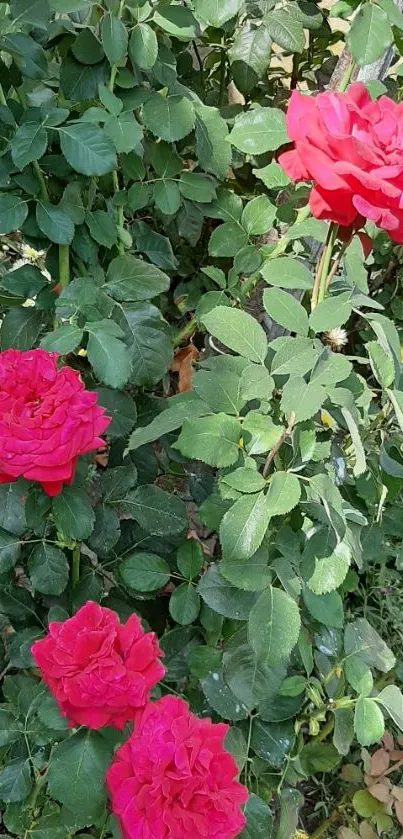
(47, 419)
(100, 671)
(350, 146)
(173, 779)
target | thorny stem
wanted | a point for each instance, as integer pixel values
(75, 566)
(274, 451)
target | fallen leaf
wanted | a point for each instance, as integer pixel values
(366, 831)
(381, 792)
(388, 741)
(397, 792)
(183, 365)
(379, 762)
(399, 811)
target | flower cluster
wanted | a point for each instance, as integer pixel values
(172, 779)
(47, 419)
(350, 146)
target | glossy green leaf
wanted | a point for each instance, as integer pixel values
(114, 38)
(143, 571)
(169, 117)
(284, 309)
(244, 526)
(87, 149)
(143, 47)
(259, 130)
(239, 331)
(369, 724)
(55, 223)
(274, 626)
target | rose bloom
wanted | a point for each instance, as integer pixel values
(173, 779)
(99, 670)
(352, 149)
(47, 419)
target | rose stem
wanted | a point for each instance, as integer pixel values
(115, 176)
(319, 289)
(75, 567)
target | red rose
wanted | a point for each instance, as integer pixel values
(351, 148)
(47, 419)
(173, 779)
(99, 670)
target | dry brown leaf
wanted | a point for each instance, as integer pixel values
(183, 365)
(346, 833)
(397, 793)
(388, 741)
(381, 792)
(396, 754)
(366, 831)
(399, 811)
(379, 762)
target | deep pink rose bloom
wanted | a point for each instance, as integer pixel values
(173, 779)
(99, 670)
(47, 419)
(352, 149)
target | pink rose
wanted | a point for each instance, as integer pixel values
(47, 419)
(99, 670)
(352, 149)
(173, 779)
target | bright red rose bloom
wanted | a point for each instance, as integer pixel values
(173, 779)
(47, 419)
(352, 149)
(99, 670)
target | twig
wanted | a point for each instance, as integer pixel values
(277, 447)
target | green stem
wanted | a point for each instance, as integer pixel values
(223, 68)
(347, 77)
(75, 566)
(186, 332)
(3, 100)
(119, 213)
(64, 265)
(41, 180)
(325, 265)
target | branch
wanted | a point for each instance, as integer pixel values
(275, 450)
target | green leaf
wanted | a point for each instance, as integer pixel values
(169, 117)
(107, 354)
(227, 239)
(256, 383)
(178, 21)
(124, 131)
(55, 223)
(156, 511)
(143, 46)
(358, 675)
(332, 312)
(382, 364)
(106, 531)
(370, 34)
(391, 698)
(361, 638)
(248, 679)
(114, 38)
(131, 279)
(197, 187)
(168, 420)
(48, 569)
(27, 54)
(259, 130)
(259, 818)
(12, 508)
(224, 598)
(151, 346)
(190, 558)
(64, 340)
(102, 228)
(286, 30)
(213, 439)
(330, 571)
(284, 493)
(273, 176)
(158, 248)
(204, 660)
(366, 805)
(15, 780)
(184, 604)
(121, 408)
(213, 152)
(139, 196)
(20, 328)
(239, 331)
(369, 724)
(219, 389)
(343, 730)
(244, 526)
(272, 742)
(109, 100)
(360, 464)
(284, 309)
(86, 48)
(253, 575)
(250, 55)
(291, 802)
(221, 699)
(13, 212)
(80, 763)
(9, 550)
(80, 82)
(30, 12)
(217, 12)
(301, 398)
(244, 480)
(274, 626)
(394, 14)
(396, 398)
(73, 514)
(260, 433)
(258, 216)
(87, 149)
(325, 608)
(143, 571)
(285, 272)
(165, 160)
(318, 757)
(28, 144)
(167, 197)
